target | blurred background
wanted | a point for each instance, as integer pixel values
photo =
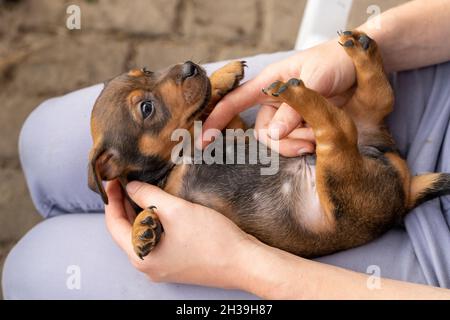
(40, 58)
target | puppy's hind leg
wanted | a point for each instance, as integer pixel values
(373, 98)
(336, 139)
(372, 101)
(359, 195)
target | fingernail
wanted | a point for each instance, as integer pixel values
(303, 151)
(133, 186)
(276, 130)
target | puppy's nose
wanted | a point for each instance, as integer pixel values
(189, 69)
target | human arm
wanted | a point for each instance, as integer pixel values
(275, 274)
(413, 35)
(410, 36)
(201, 246)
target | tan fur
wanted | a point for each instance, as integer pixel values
(419, 184)
(403, 171)
(174, 180)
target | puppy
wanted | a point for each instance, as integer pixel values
(351, 191)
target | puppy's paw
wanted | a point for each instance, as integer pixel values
(284, 90)
(227, 78)
(147, 230)
(355, 40)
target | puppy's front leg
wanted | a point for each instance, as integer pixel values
(226, 79)
(223, 81)
(147, 230)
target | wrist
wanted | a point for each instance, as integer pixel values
(381, 32)
(268, 272)
(249, 266)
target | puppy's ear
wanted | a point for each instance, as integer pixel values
(103, 165)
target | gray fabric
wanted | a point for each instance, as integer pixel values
(37, 267)
(420, 125)
(54, 147)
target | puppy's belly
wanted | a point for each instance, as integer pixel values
(281, 209)
(300, 189)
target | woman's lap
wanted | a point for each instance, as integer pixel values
(53, 256)
(54, 148)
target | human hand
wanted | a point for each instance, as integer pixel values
(198, 246)
(325, 68)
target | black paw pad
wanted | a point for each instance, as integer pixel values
(347, 33)
(294, 82)
(146, 235)
(348, 43)
(274, 85)
(145, 250)
(364, 41)
(148, 221)
(282, 89)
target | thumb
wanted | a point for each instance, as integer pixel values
(146, 195)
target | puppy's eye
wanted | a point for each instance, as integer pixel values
(147, 108)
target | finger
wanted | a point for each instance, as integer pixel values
(146, 195)
(116, 218)
(300, 143)
(289, 147)
(264, 116)
(131, 213)
(241, 98)
(303, 133)
(283, 122)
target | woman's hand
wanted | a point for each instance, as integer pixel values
(198, 246)
(325, 68)
(201, 246)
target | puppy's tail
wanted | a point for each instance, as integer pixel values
(428, 186)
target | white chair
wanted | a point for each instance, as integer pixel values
(321, 20)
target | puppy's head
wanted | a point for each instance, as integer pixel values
(134, 117)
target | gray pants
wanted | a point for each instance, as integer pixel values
(71, 255)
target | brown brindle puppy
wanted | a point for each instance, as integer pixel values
(354, 189)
